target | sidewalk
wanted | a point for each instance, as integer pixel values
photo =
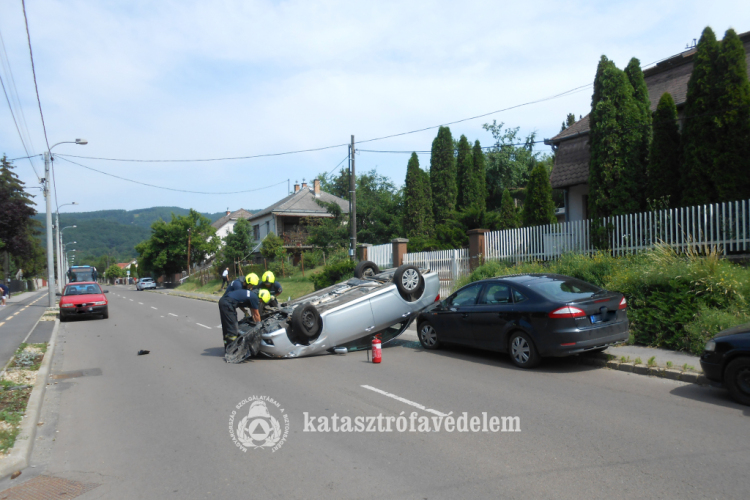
(17, 297)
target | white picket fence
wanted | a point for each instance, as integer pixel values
(449, 264)
(722, 227)
(382, 255)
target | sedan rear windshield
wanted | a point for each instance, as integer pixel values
(82, 289)
(566, 290)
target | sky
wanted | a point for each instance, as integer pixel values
(185, 79)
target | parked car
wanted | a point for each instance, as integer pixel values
(528, 316)
(346, 315)
(145, 283)
(83, 299)
(726, 361)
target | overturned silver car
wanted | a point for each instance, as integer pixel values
(346, 315)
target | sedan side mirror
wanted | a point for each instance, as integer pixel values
(58, 294)
(106, 291)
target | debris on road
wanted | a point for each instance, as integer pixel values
(142, 352)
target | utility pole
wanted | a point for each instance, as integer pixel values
(353, 204)
(59, 253)
(50, 247)
(188, 270)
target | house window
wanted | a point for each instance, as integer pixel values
(268, 227)
(256, 232)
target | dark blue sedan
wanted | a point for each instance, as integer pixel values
(726, 361)
(528, 316)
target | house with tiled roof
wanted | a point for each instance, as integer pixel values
(225, 225)
(288, 217)
(571, 170)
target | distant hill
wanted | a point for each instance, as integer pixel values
(113, 232)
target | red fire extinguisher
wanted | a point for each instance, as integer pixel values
(377, 352)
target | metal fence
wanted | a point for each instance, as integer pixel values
(722, 227)
(382, 255)
(449, 264)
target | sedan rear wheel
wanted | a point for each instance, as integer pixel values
(522, 351)
(409, 282)
(737, 380)
(428, 337)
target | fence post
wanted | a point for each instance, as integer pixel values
(476, 247)
(364, 251)
(399, 249)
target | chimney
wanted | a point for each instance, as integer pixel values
(304, 185)
(228, 212)
(316, 187)
(296, 188)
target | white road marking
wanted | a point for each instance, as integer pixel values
(131, 300)
(173, 315)
(162, 316)
(404, 400)
(141, 303)
(152, 307)
(218, 326)
(204, 326)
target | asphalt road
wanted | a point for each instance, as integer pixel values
(16, 321)
(157, 426)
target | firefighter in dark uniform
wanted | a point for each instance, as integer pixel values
(268, 282)
(248, 282)
(228, 305)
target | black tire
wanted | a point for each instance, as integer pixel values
(737, 380)
(428, 336)
(522, 350)
(106, 314)
(409, 282)
(306, 321)
(63, 319)
(366, 269)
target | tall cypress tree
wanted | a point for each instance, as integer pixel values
(443, 176)
(464, 174)
(641, 129)
(700, 132)
(479, 192)
(538, 208)
(417, 200)
(509, 217)
(664, 167)
(731, 170)
(613, 143)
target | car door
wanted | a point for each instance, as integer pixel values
(452, 320)
(348, 322)
(388, 308)
(490, 317)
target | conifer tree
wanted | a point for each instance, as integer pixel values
(731, 170)
(443, 176)
(417, 201)
(509, 216)
(641, 128)
(479, 192)
(538, 208)
(464, 175)
(664, 168)
(613, 143)
(700, 134)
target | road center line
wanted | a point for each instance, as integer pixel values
(152, 307)
(1, 324)
(141, 303)
(173, 315)
(204, 326)
(404, 400)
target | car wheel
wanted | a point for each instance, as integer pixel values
(522, 350)
(366, 269)
(306, 320)
(409, 282)
(428, 336)
(106, 314)
(737, 380)
(63, 319)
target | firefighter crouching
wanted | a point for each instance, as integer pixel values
(248, 282)
(268, 282)
(242, 299)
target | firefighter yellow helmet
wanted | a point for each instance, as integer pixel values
(264, 295)
(252, 279)
(268, 277)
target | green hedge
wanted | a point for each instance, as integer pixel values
(674, 301)
(334, 273)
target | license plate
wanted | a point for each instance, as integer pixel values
(596, 318)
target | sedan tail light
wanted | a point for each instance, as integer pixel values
(567, 312)
(623, 304)
(437, 299)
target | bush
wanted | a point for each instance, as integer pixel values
(334, 273)
(674, 301)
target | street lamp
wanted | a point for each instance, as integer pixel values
(64, 263)
(48, 197)
(59, 247)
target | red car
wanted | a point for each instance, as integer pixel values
(83, 299)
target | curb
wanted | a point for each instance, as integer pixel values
(19, 456)
(603, 360)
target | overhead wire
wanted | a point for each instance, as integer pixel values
(20, 136)
(168, 188)
(33, 72)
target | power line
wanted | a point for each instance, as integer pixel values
(168, 188)
(337, 166)
(33, 72)
(20, 136)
